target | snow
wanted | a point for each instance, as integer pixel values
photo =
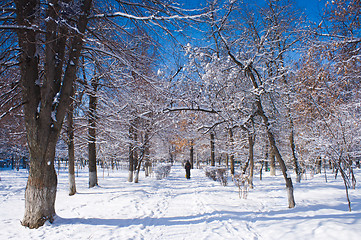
(56, 98)
(53, 116)
(177, 208)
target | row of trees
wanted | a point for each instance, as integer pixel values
(262, 83)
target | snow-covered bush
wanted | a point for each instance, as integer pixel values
(218, 174)
(162, 171)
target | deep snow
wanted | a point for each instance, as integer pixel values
(177, 208)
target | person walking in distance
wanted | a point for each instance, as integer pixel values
(188, 167)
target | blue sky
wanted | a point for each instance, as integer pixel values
(312, 8)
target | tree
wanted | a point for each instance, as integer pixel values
(212, 149)
(329, 78)
(92, 128)
(46, 91)
(71, 148)
(237, 63)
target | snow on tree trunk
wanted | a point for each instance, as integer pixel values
(72, 185)
(40, 190)
(136, 177)
(288, 180)
(130, 176)
(93, 179)
(71, 157)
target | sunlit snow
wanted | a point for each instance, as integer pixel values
(177, 208)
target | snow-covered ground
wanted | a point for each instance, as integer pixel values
(177, 208)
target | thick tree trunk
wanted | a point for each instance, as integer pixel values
(93, 178)
(40, 190)
(71, 157)
(44, 116)
(213, 162)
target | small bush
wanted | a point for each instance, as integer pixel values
(219, 174)
(162, 171)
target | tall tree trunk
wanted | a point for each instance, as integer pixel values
(213, 162)
(136, 178)
(293, 149)
(144, 152)
(280, 72)
(191, 153)
(252, 74)
(71, 158)
(251, 158)
(131, 155)
(288, 180)
(147, 162)
(230, 132)
(43, 116)
(93, 178)
(135, 148)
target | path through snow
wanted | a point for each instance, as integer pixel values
(177, 208)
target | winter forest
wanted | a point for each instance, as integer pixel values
(102, 102)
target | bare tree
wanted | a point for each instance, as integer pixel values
(329, 83)
(48, 60)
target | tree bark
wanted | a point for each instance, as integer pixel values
(135, 151)
(144, 153)
(251, 158)
(293, 149)
(71, 155)
(93, 178)
(41, 188)
(213, 162)
(131, 156)
(147, 162)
